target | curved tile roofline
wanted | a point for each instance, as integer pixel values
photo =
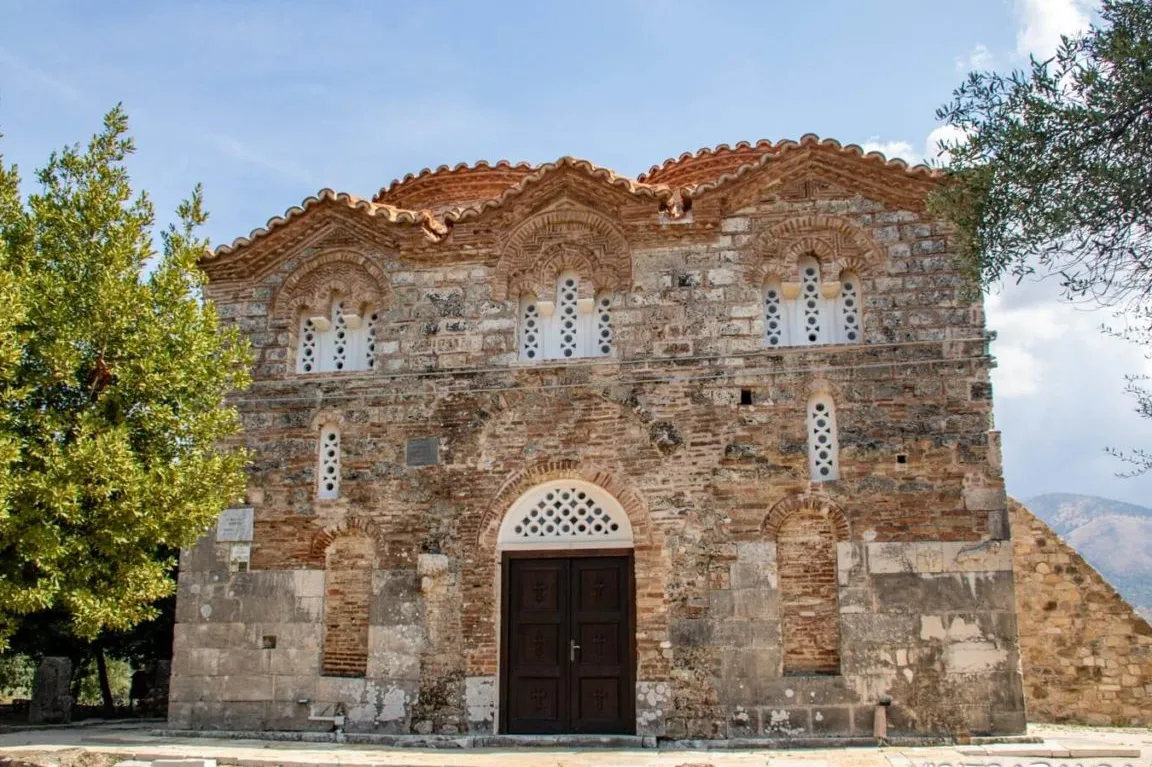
(704, 152)
(388, 213)
(770, 148)
(459, 168)
(809, 140)
(630, 185)
(437, 227)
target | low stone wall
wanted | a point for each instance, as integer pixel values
(1087, 655)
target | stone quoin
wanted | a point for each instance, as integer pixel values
(545, 449)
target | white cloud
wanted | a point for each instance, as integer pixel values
(892, 149)
(980, 58)
(1042, 22)
(906, 150)
(933, 149)
(1059, 394)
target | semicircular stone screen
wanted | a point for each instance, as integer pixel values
(564, 512)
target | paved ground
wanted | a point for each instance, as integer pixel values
(1062, 745)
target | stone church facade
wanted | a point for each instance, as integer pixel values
(544, 449)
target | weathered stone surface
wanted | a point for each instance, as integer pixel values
(748, 576)
(51, 692)
(1087, 655)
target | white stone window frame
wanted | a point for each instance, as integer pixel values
(567, 328)
(330, 463)
(617, 534)
(823, 439)
(775, 310)
(836, 306)
(342, 342)
(848, 312)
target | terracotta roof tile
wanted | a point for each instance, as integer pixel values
(436, 199)
(388, 213)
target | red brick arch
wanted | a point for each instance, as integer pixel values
(784, 508)
(347, 273)
(838, 243)
(525, 480)
(539, 248)
(349, 526)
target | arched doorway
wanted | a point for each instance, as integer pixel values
(568, 658)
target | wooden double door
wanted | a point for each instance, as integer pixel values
(568, 657)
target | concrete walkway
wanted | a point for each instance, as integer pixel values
(134, 743)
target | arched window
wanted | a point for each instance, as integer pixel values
(565, 513)
(340, 342)
(823, 446)
(809, 602)
(567, 328)
(328, 477)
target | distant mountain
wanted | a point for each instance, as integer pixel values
(1115, 538)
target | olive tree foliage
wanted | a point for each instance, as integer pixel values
(1053, 175)
(114, 426)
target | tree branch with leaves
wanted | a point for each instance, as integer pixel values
(116, 439)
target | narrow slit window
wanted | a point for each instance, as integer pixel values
(823, 448)
(850, 308)
(810, 300)
(306, 356)
(329, 483)
(568, 317)
(603, 339)
(530, 329)
(775, 332)
(370, 341)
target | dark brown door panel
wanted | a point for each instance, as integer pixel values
(568, 654)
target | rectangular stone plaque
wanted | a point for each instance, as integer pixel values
(422, 452)
(234, 525)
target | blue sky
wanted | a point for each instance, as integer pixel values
(267, 102)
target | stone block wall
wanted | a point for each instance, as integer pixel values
(1087, 654)
(767, 605)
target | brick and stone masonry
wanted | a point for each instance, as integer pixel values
(790, 566)
(1087, 655)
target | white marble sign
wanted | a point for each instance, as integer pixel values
(234, 525)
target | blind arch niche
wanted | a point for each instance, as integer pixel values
(565, 514)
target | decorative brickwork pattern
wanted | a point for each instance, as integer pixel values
(1087, 655)
(692, 424)
(839, 244)
(347, 593)
(566, 239)
(809, 610)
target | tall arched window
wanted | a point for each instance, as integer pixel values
(340, 342)
(328, 477)
(568, 327)
(823, 445)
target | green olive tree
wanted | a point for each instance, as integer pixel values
(1053, 174)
